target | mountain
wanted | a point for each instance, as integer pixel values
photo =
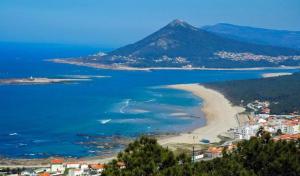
(281, 38)
(180, 44)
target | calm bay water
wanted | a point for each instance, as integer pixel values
(66, 119)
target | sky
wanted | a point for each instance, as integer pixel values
(113, 23)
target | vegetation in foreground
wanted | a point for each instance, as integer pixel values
(258, 156)
(282, 92)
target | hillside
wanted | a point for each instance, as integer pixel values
(281, 38)
(180, 44)
(282, 92)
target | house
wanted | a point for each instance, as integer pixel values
(198, 155)
(290, 127)
(28, 172)
(264, 116)
(246, 132)
(57, 166)
(75, 172)
(121, 165)
(41, 170)
(97, 167)
(84, 166)
(72, 165)
(214, 152)
(44, 174)
(287, 137)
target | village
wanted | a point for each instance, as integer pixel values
(281, 127)
(58, 166)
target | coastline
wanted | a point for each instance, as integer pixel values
(126, 68)
(219, 113)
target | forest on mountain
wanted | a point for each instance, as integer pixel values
(282, 92)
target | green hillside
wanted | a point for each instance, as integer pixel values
(282, 92)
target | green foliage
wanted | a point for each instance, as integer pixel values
(282, 92)
(259, 156)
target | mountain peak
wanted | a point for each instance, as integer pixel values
(180, 23)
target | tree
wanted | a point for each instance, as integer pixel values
(258, 156)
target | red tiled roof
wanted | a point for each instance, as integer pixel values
(288, 137)
(44, 174)
(57, 161)
(97, 166)
(215, 150)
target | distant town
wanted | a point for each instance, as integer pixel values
(247, 56)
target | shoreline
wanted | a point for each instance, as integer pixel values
(215, 107)
(220, 116)
(127, 68)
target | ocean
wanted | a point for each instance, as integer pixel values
(94, 117)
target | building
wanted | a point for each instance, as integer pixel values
(72, 165)
(97, 167)
(246, 132)
(290, 127)
(121, 165)
(198, 155)
(75, 172)
(57, 166)
(84, 166)
(28, 172)
(44, 174)
(214, 152)
(287, 137)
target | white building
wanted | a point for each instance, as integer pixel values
(57, 166)
(246, 132)
(75, 172)
(73, 165)
(84, 166)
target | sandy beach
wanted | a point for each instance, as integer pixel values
(127, 68)
(219, 114)
(268, 75)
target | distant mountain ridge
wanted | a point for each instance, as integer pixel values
(180, 44)
(281, 38)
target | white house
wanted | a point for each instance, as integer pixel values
(84, 166)
(57, 166)
(75, 172)
(72, 165)
(246, 132)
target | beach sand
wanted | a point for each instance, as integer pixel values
(219, 113)
(268, 75)
(128, 68)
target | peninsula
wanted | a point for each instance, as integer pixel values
(31, 80)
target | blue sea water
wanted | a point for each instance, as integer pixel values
(66, 119)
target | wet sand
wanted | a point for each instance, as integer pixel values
(219, 113)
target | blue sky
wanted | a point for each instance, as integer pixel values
(115, 23)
